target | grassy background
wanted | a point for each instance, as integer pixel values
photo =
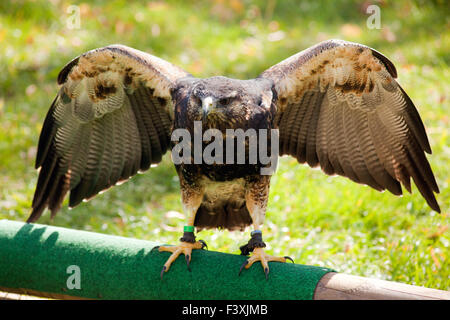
(316, 219)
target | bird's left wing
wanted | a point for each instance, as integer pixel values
(111, 118)
(340, 107)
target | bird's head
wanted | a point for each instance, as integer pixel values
(221, 102)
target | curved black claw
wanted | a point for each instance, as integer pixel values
(188, 261)
(204, 245)
(242, 267)
(266, 272)
(162, 271)
(289, 258)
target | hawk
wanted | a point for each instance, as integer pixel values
(335, 105)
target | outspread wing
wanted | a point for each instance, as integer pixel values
(340, 107)
(111, 118)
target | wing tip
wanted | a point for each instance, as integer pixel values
(432, 202)
(35, 214)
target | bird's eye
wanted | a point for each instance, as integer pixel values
(224, 101)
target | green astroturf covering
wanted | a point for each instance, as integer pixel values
(37, 257)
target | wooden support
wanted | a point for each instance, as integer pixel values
(6, 295)
(338, 286)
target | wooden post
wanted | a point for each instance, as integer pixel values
(338, 286)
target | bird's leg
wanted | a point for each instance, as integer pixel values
(256, 247)
(191, 203)
(256, 200)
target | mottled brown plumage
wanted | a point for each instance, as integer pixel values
(341, 108)
(336, 105)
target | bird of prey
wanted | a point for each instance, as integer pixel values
(335, 105)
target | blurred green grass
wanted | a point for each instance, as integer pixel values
(316, 219)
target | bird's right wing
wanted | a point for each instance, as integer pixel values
(111, 118)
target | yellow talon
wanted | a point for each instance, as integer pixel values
(183, 247)
(259, 255)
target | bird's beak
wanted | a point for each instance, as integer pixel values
(207, 106)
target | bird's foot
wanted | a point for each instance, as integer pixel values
(256, 246)
(259, 255)
(187, 244)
